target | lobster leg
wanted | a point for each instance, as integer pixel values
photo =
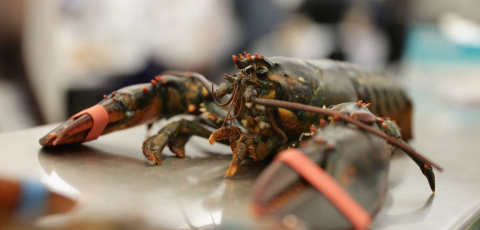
(164, 97)
(238, 154)
(257, 149)
(175, 135)
(243, 143)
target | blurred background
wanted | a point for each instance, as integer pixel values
(60, 56)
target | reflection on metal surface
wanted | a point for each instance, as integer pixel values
(57, 184)
(182, 193)
(415, 216)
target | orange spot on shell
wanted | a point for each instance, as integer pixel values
(105, 96)
(145, 90)
(154, 83)
(158, 78)
(191, 108)
(360, 103)
(211, 117)
(336, 118)
(323, 122)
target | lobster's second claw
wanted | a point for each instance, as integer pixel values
(75, 130)
(68, 132)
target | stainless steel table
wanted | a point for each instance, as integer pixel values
(113, 181)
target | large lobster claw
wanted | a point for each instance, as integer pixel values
(325, 186)
(127, 107)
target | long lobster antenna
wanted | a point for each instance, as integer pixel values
(295, 106)
(205, 82)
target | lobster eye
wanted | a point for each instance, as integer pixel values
(262, 72)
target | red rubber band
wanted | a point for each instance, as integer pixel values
(100, 120)
(326, 185)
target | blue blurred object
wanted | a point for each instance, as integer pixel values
(33, 200)
(427, 44)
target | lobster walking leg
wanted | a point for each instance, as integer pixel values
(256, 149)
(175, 135)
(238, 155)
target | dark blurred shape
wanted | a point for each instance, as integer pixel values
(390, 16)
(12, 65)
(325, 11)
(394, 20)
(257, 19)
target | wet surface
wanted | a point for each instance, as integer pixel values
(113, 181)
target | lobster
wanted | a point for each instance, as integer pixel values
(355, 162)
(251, 129)
(270, 105)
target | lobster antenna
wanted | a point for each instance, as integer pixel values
(295, 106)
(205, 82)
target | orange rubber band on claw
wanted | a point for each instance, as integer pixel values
(326, 185)
(100, 120)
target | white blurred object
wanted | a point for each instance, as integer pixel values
(361, 41)
(190, 34)
(460, 29)
(297, 37)
(81, 43)
(41, 58)
(15, 115)
(117, 36)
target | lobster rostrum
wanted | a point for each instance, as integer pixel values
(356, 159)
(237, 109)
